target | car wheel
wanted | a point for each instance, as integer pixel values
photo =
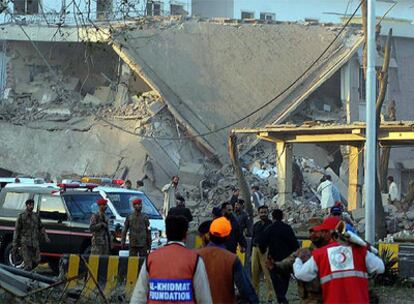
(9, 260)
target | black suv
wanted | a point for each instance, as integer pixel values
(65, 215)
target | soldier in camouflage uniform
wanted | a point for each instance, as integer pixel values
(99, 226)
(139, 230)
(28, 230)
(309, 292)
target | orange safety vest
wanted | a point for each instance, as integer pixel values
(170, 272)
(343, 273)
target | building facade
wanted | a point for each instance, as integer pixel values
(287, 10)
(79, 11)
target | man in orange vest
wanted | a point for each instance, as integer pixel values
(173, 273)
(224, 268)
(342, 268)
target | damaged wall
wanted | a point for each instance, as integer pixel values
(83, 66)
(85, 148)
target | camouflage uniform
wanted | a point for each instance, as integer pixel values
(101, 241)
(27, 233)
(309, 292)
(139, 234)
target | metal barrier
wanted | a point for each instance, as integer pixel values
(109, 271)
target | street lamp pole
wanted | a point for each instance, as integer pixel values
(370, 144)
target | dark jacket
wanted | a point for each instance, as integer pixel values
(244, 222)
(258, 230)
(183, 211)
(280, 239)
(236, 236)
(233, 200)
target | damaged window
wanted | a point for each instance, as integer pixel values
(267, 16)
(153, 8)
(177, 10)
(247, 15)
(22, 7)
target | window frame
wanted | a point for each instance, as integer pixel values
(251, 13)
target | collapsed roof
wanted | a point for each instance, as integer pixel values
(211, 75)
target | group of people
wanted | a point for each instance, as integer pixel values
(215, 274)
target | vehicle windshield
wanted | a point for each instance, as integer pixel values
(123, 206)
(82, 206)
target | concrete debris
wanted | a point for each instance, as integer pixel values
(105, 94)
(92, 100)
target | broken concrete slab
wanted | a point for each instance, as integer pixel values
(164, 164)
(156, 107)
(105, 94)
(45, 95)
(169, 59)
(71, 83)
(122, 95)
(92, 100)
(191, 173)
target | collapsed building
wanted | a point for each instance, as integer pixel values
(157, 97)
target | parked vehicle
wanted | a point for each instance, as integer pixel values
(120, 206)
(4, 181)
(64, 213)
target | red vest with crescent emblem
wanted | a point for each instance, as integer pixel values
(343, 273)
(170, 274)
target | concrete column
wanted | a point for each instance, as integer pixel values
(354, 177)
(284, 172)
(349, 89)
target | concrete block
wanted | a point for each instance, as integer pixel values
(156, 107)
(122, 95)
(191, 173)
(44, 96)
(105, 94)
(93, 100)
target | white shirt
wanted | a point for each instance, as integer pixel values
(325, 189)
(200, 283)
(308, 271)
(393, 192)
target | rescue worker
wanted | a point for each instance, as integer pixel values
(139, 230)
(173, 273)
(99, 226)
(27, 233)
(340, 267)
(309, 292)
(224, 268)
(258, 265)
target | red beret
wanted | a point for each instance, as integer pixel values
(101, 201)
(137, 201)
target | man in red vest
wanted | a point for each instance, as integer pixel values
(173, 273)
(342, 268)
